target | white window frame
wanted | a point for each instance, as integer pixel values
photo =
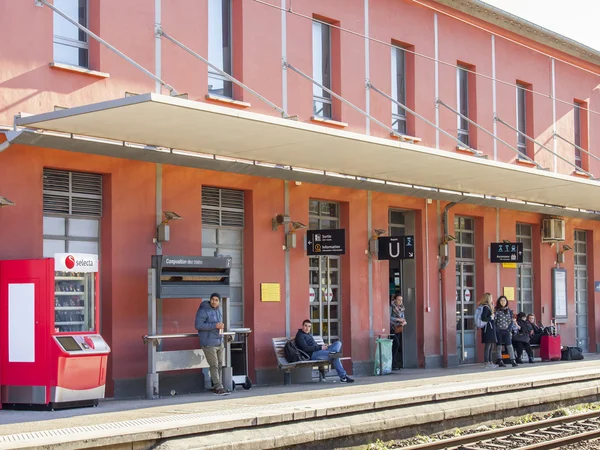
(61, 40)
(319, 95)
(398, 113)
(521, 139)
(463, 133)
(212, 74)
(577, 133)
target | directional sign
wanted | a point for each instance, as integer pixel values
(326, 242)
(396, 247)
(506, 252)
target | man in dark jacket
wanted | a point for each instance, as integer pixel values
(305, 342)
(209, 323)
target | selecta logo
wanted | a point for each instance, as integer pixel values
(70, 262)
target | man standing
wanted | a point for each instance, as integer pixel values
(209, 323)
(306, 343)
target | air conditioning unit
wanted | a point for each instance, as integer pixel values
(553, 230)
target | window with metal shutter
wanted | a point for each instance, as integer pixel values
(222, 207)
(72, 193)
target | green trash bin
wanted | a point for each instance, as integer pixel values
(383, 356)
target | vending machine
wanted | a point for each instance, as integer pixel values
(51, 353)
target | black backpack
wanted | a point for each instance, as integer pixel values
(294, 354)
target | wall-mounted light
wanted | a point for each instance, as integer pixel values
(444, 245)
(5, 202)
(163, 231)
(280, 219)
(560, 256)
(290, 237)
(373, 243)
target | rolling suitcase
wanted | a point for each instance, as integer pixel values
(550, 349)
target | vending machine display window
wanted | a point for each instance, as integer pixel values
(74, 302)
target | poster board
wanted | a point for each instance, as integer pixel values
(559, 294)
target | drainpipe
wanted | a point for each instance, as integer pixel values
(443, 303)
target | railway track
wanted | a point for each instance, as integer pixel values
(552, 433)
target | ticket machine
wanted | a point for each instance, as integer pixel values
(51, 353)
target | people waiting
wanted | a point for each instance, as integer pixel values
(538, 330)
(522, 339)
(306, 343)
(503, 319)
(488, 332)
(397, 323)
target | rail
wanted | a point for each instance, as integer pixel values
(544, 434)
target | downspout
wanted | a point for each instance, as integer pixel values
(443, 304)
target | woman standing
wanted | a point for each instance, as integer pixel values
(488, 332)
(504, 325)
(397, 323)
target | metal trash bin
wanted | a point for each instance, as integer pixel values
(239, 359)
(383, 356)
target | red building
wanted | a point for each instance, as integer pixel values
(505, 136)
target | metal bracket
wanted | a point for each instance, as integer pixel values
(158, 31)
(367, 84)
(284, 63)
(38, 2)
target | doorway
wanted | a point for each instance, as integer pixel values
(402, 280)
(464, 230)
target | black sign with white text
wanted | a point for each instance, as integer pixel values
(396, 247)
(326, 242)
(506, 252)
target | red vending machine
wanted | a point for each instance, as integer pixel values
(50, 351)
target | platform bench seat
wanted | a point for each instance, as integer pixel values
(283, 364)
(505, 356)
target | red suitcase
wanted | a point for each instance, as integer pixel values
(550, 349)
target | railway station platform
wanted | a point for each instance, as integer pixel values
(312, 413)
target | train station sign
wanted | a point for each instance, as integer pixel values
(326, 242)
(506, 252)
(396, 247)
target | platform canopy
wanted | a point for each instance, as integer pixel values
(191, 126)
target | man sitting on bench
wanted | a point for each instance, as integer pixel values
(306, 343)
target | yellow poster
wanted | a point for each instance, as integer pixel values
(509, 265)
(270, 292)
(509, 293)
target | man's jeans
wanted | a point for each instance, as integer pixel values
(214, 358)
(323, 355)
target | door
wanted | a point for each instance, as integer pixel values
(325, 276)
(581, 282)
(222, 233)
(525, 270)
(464, 229)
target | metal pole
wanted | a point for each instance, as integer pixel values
(224, 74)
(107, 45)
(462, 313)
(554, 143)
(152, 375)
(543, 146)
(486, 131)
(436, 76)
(576, 146)
(370, 270)
(494, 95)
(340, 98)
(367, 68)
(320, 268)
(328, 300)
(475, 152)
(287, 275)
(157, 43)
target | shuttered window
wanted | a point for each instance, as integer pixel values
(72, 210)
(222, 207)
(72, 193)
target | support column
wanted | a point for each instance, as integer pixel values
(554, 143)
(436, 70)
(370, 268)
(494, 97)
(367, 71)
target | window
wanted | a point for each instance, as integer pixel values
(522, 118)
(219, 47)
(462, 84)
(525, 269)
(577, 131)
(321, 34)
(70, 43)
(398, 89)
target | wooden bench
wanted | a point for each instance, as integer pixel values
(283, 364)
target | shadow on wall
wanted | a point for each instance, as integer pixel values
(43, 79)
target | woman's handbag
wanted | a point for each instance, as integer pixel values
(521, 337)
(398, 329)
